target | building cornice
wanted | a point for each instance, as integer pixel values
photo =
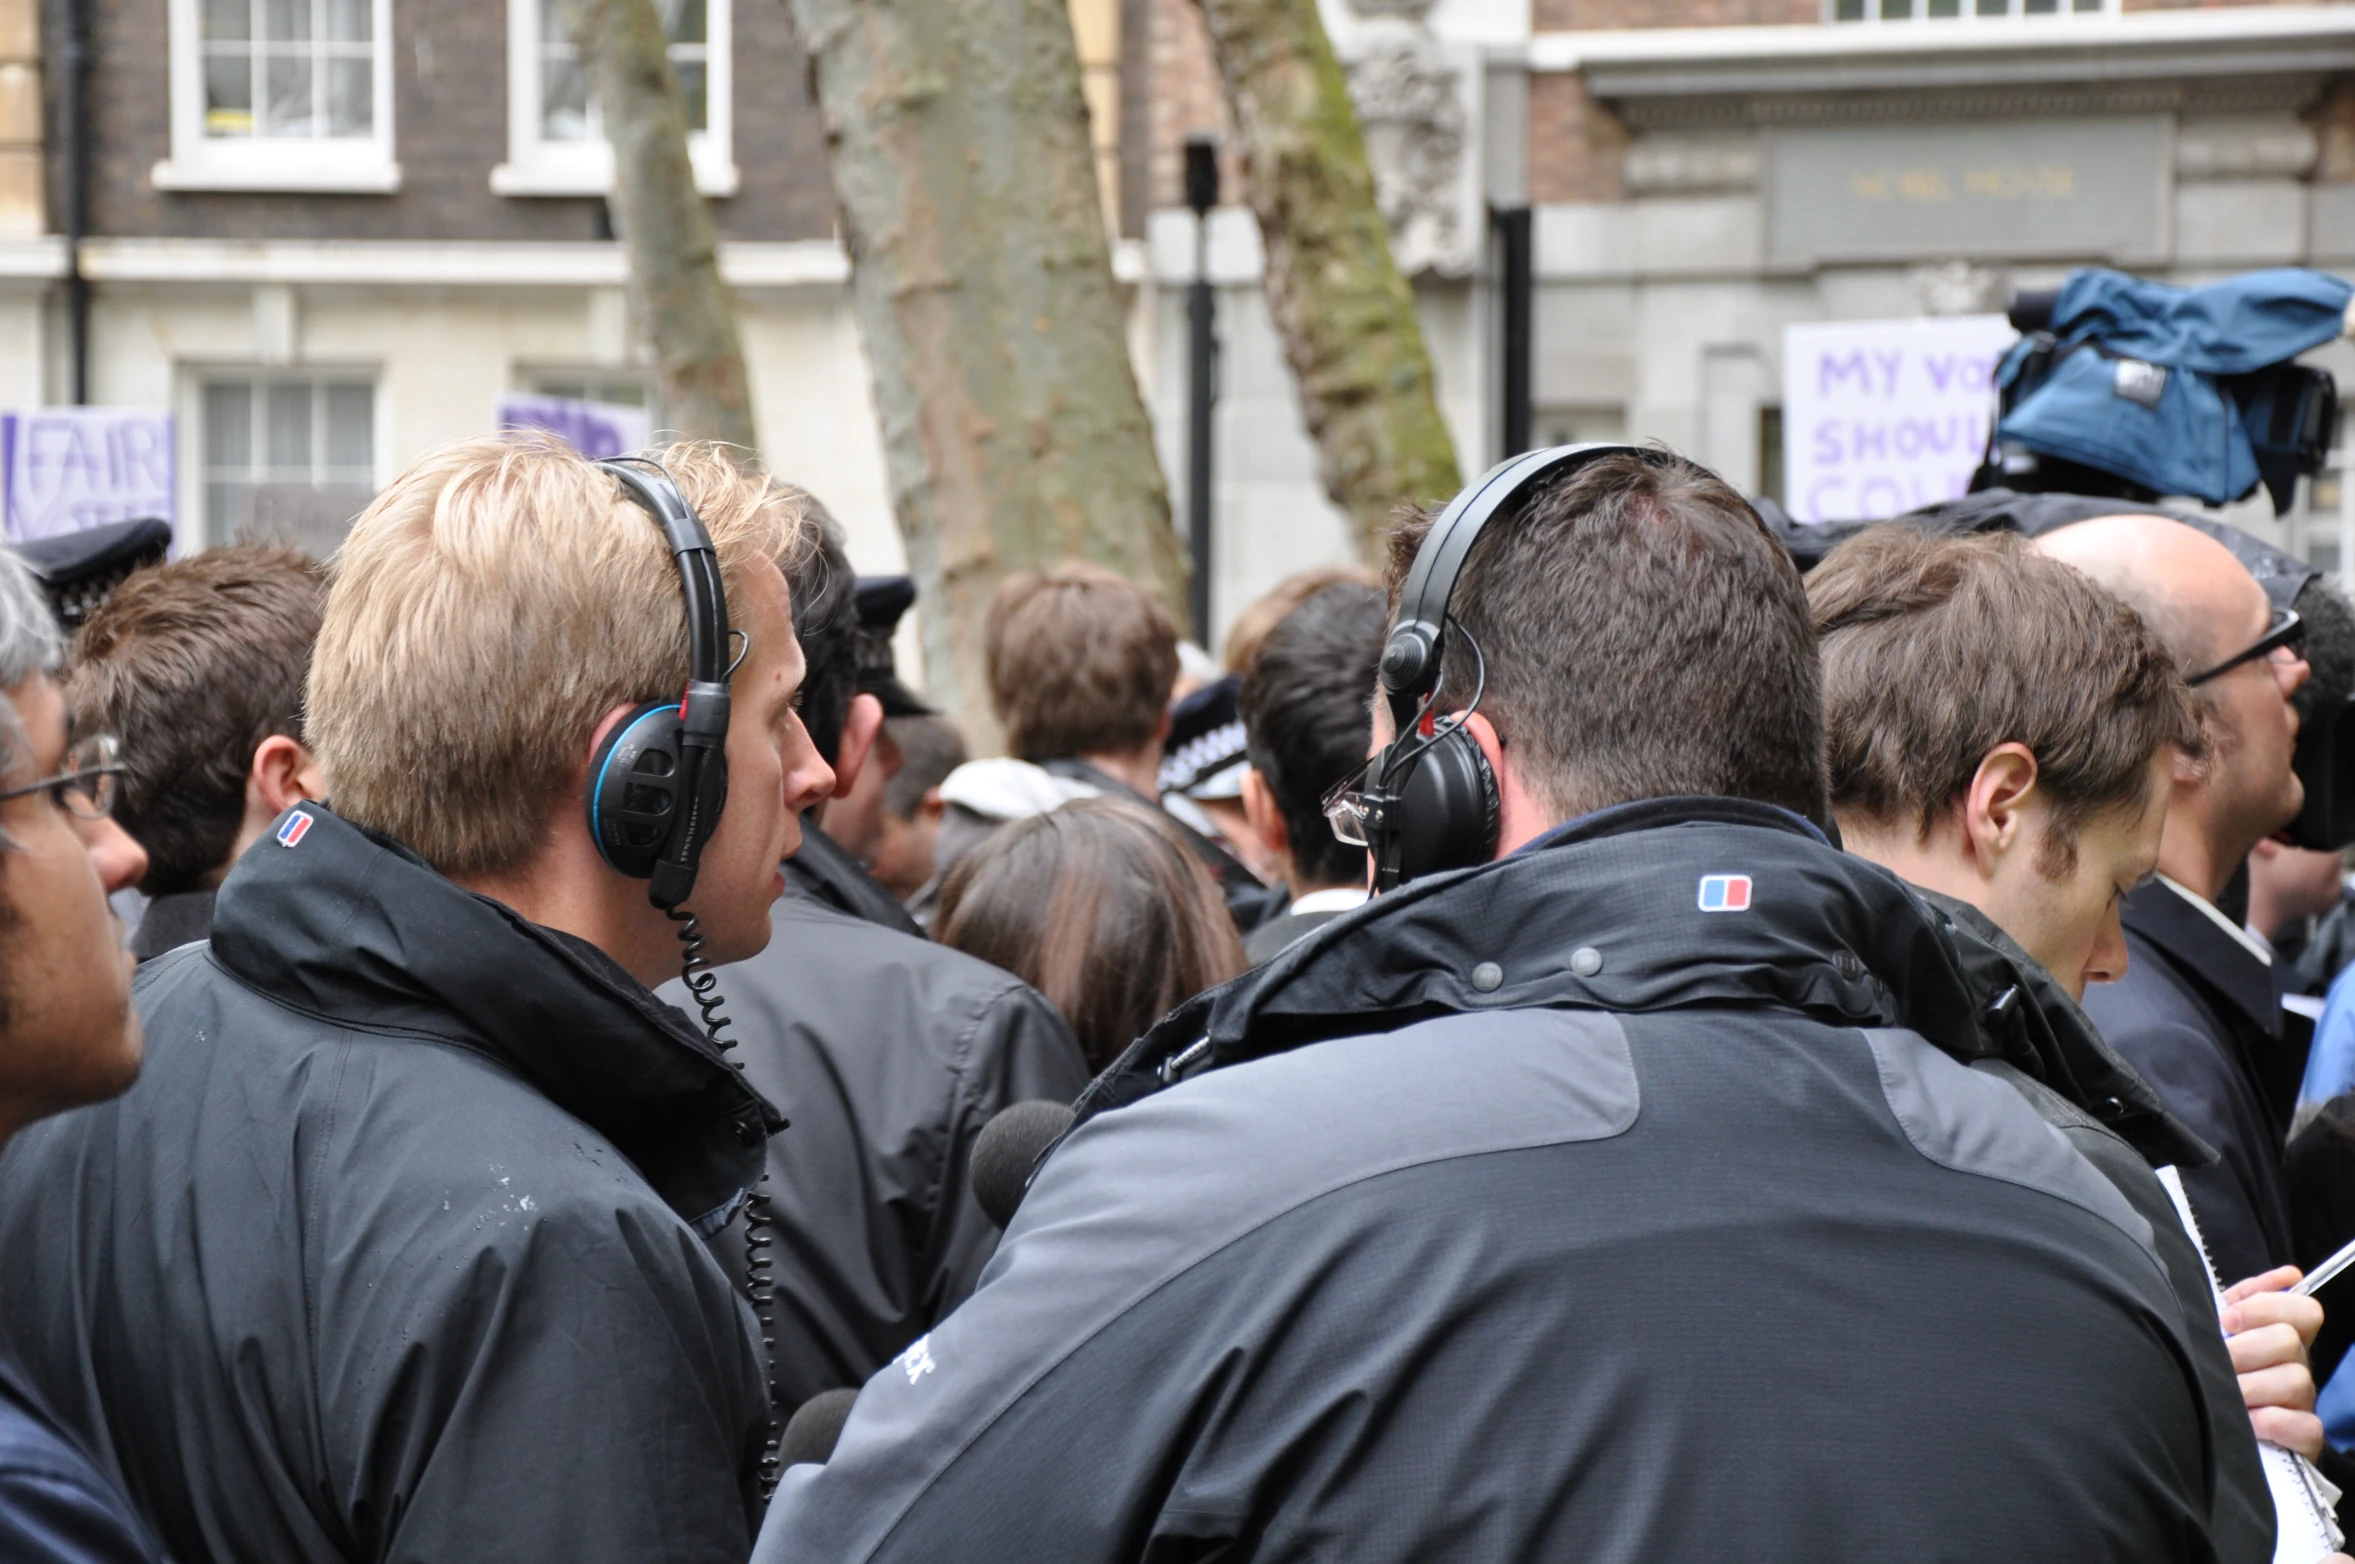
(805, 263)
(2070, 55)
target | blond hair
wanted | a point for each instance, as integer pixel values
(488, 609)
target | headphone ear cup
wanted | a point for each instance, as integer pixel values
(637, 788)
(1450, 816)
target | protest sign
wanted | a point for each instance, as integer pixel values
(1883, 416)
(595, 429)
(70, 468)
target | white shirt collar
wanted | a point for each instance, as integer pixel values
(1340, 898)
(2240, 936)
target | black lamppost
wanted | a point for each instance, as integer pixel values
(1201, 377)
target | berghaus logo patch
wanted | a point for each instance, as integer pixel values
(292, 829)
(1725, 893)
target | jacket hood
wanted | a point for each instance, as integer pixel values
(1664, 904)
(338, 922)
(2049, 1036)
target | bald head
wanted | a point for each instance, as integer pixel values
(2203, 603)
(2208, 609)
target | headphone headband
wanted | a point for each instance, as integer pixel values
(648, 482)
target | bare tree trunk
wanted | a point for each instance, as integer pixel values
(687, 313)
(1346, 315)
(1012, 425)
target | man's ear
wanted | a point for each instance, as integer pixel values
(1995, 806)
(284, 773)
(1520, 816)
(860, 727)
(1266, 820)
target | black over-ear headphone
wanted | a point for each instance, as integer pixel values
(1429, 800)
(658, 782)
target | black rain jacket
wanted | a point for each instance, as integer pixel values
(888, 1053)
(392, 1251)
(1538, 1212)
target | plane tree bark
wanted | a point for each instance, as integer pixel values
(1346, 315)
(1013, 429)
(682, 305)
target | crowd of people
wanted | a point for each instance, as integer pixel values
(1589, 1043)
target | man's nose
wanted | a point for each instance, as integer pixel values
(120, 861)
(2294, 674)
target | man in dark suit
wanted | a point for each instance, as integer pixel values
(2198, 1012)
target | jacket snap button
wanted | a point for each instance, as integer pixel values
(1848, 966)
(1488, 977)
(748, 1132)
(1586, 961)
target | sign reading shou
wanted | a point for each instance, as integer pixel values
(595, 429)
(1884, 416)
(71, 468)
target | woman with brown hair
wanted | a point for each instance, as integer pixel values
(1100, 906)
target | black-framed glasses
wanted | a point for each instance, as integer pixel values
(90, 782)
(2285, 633)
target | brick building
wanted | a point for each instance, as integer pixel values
(329, 234)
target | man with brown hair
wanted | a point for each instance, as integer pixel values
(1624, 1193)
(396, 1250)
(198, 666)
(1081, 662)
(2026, 807)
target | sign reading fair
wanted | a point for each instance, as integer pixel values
(70, 468)
(595, 429)
(1885, 416)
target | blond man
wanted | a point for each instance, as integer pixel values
(395, 1251)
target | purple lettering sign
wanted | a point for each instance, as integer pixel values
(71, 468)
(595, 429)
(1885, 416)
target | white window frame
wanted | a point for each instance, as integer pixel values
(349, 165)
(538, 167)
(1969, 13)
(196, 470)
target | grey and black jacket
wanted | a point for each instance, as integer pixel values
(1533, 1212)
(392, 1252)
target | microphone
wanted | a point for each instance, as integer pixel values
(814, 1427)
(1007, 1148)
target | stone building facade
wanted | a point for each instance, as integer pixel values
(330, 234)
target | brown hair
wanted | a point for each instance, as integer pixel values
(1251, 628)
(1100, 906)
(1643, 636)
(1937, 649)
(192, 664)
(1080, 661)
(488, 609)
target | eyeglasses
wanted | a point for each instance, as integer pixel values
(2286, 632)
(90, 782)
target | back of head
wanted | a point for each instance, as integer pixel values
(1308, 719)
(825, 622)
(929, 749)
(1100, 906)
(1250, 628)
(486, 612)
(1643, 636)
(1080, 662)
(192, 664)
(1938, 649)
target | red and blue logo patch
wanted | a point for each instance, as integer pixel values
(291, 829)
(1725, 893)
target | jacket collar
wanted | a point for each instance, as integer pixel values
(1605, 914)
(2188, 935)
(2048, 1035)
(339, 922)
